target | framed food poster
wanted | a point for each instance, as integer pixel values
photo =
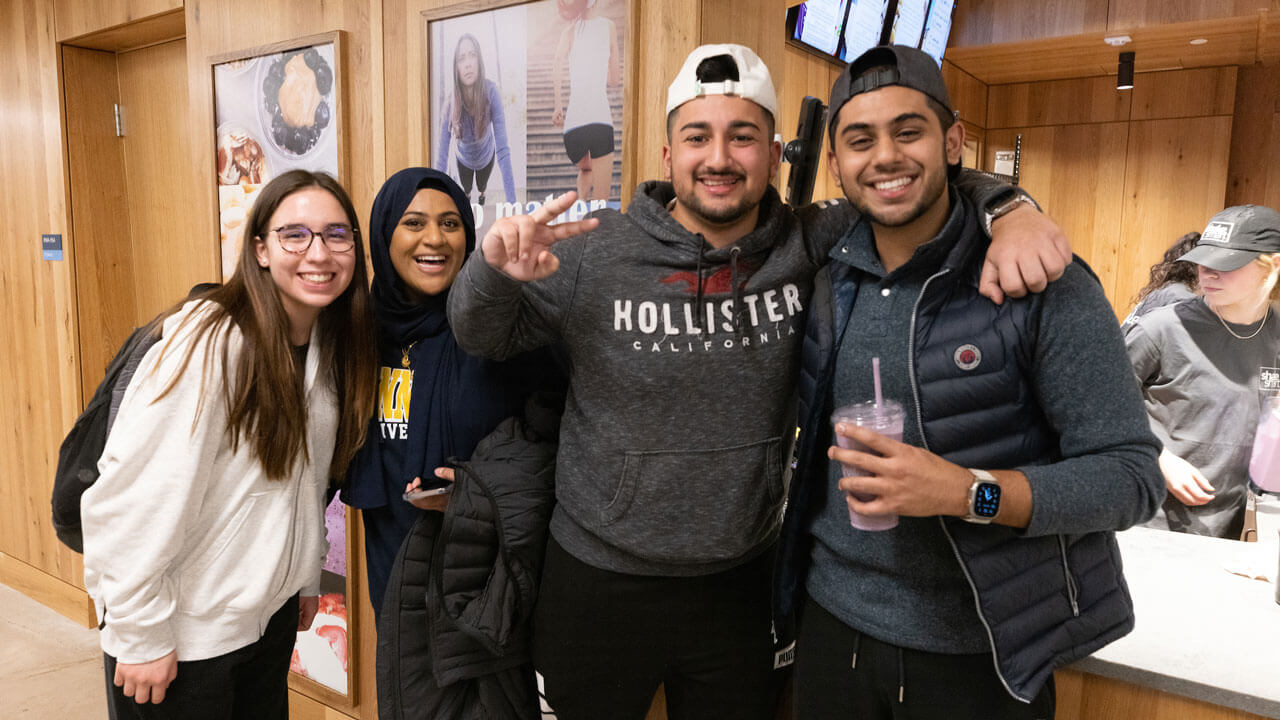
(276, 108)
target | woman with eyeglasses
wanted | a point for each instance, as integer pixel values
(436, 402)
(204, 535)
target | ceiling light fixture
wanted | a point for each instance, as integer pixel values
(1117, 40)
(1124, 74)
(1199, 41)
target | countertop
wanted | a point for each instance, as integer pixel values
(1201, 631)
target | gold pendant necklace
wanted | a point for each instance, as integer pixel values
(1261, 325)
(404, 354)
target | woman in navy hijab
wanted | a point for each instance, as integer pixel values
(435, 402)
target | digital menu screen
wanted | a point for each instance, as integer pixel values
(908, 22)
(819, 23)
(864, 27)
(937, 28)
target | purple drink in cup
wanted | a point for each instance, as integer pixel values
(884, 417)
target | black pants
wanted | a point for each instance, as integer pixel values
(251, 683)
(947, 687)
(481, 175)
(604, 641)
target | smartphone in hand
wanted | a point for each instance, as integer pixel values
(437, 487)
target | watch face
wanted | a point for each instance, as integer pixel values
(986, 501)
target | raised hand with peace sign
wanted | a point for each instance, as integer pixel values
(520, 245)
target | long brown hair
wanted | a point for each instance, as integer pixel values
(264, 399)
(474, 98)
(1171, 270)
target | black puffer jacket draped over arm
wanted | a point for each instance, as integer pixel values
(453, 637)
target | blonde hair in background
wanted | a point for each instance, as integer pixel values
(1271, 262)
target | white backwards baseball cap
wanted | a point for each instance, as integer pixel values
(754, 82)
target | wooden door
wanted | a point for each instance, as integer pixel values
(171, 249)
(99, 211)
(137, 248)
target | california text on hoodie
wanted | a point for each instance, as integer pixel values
(188, 545)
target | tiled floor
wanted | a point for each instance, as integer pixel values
(50, 667)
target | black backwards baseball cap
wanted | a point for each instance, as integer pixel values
(1236, 236)
(899, 65)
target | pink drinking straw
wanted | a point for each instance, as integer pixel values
(875, 374)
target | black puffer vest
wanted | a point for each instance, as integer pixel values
(1044, 601)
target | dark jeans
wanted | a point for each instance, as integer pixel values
(933, 686)
(604, 641)
(251, 683)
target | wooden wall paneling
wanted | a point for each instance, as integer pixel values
(170, 251)
(77, 17)
(1083, 696)
(1230, 41)
(803, 75)
(665, 32)
(732, 21)
(984, 22)
(1269, 34)
(1175, 180)
(975, 140)
(405, 70)
(150, 31)
(1123, 14)
(1056, 102)
(1184, 93)
(65, 598)
(40, 385)
(1254, 171)
(968, 94)
(1076, 173)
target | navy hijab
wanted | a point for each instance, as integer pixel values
(456, 398)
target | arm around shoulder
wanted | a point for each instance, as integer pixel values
(1107, 477)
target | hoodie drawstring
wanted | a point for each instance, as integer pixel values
(737, 292)
(902, 673)
(902, 678)
(697, 302)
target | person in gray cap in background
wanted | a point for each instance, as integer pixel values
(1025, 444)
(683, 318)
(1205, 363)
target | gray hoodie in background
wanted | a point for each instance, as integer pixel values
(679, 418)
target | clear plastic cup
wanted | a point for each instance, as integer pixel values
(886, 419)
(1264, 464)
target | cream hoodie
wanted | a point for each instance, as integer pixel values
(188, 545)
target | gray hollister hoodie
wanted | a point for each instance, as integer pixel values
(679, 417)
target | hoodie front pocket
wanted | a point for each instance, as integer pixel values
(695, 506)
(210, 582)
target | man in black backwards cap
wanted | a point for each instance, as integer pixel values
(1024, 449)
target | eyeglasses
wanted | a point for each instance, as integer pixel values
(297, 239)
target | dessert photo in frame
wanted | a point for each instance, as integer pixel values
(276, 108)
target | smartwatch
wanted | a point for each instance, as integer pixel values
(1004, 207)
(984, 497)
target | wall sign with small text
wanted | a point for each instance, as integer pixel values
(51, 247)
